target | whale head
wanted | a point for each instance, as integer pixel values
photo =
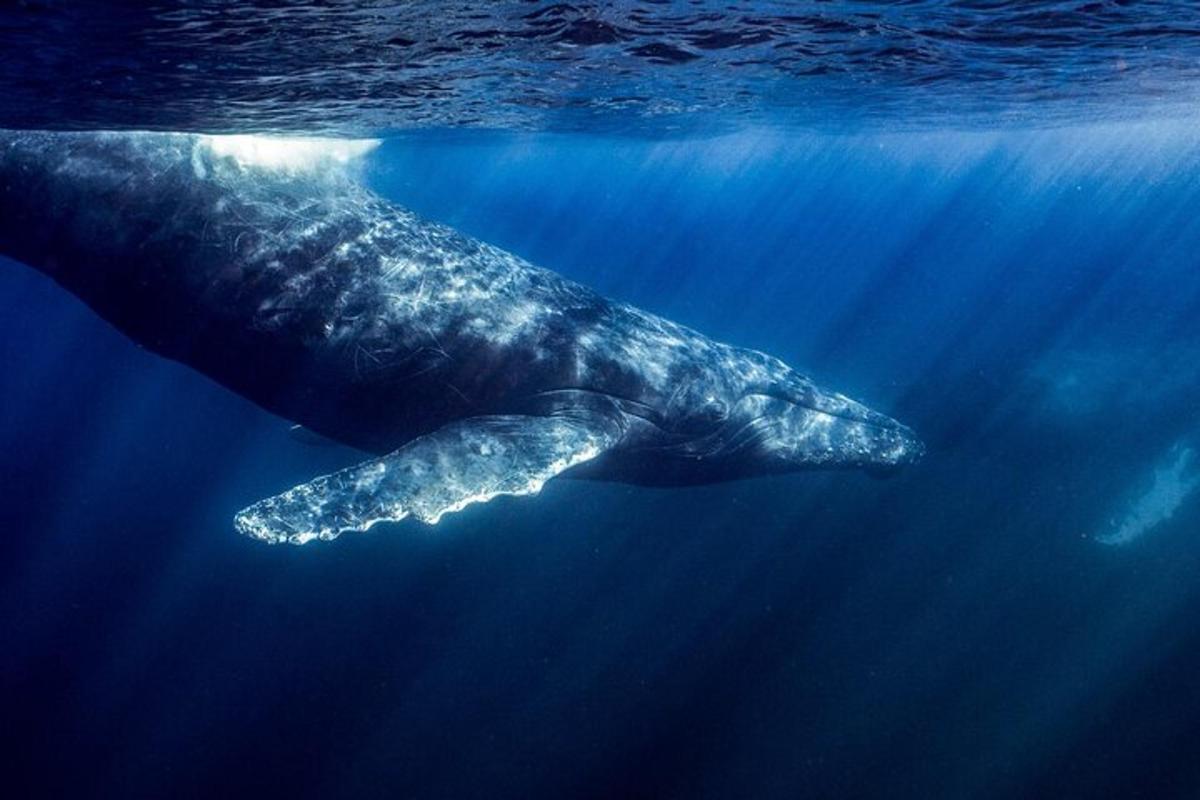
(776, 420)
(778, 431)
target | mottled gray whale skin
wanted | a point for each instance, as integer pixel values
(468, 372)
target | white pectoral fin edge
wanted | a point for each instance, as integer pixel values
(466, 462)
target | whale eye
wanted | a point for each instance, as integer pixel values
(703, 417)
(713, 410)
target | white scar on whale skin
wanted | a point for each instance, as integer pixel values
(1173, 483)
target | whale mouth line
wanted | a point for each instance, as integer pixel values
(878, 422)
(890, 425)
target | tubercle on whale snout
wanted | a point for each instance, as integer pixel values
(816, 430)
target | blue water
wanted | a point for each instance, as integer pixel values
(1017, 282)
(955, 631)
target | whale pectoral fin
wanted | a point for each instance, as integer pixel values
(465, 462)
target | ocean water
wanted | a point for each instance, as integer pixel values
(1012, 617)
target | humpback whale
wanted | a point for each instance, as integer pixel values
(464, 371)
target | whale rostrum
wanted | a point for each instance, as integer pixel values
(468, 372)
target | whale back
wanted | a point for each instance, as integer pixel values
(302, 290)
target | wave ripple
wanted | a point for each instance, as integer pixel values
(376, 66)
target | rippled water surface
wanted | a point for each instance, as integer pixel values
(652, 66)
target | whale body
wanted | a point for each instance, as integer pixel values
(467, 372)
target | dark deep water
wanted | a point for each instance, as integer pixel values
(1013, 617)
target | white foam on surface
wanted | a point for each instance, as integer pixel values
(288, 154)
